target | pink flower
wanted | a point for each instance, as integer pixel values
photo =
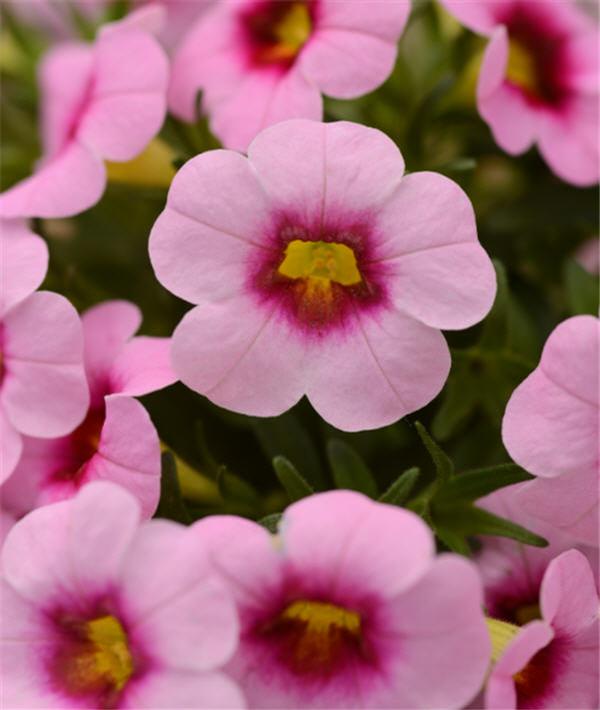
(100, 611)
(550, 428)
(258, 62)
(180, 16)
(588, 255)
(552, 662)
(539, 81)
(349, 607)
(98, 103)
(117, 440)
(43, 390)
(327, 275)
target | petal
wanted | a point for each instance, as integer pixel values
(65, 74)
(45, 391)
(347, 63)
(106, 329)
(180, 689)
(241, 356)
(569, 503)
(480, 17)
(72, 549)
(175, 601)
(551, 421)
(142, 366)
(387, 366)
(128, 104)
(500, 692)
(318, 171)
(570, 144)
(23, 265)
(439, 273)
(202, 243)
(260, 101)
(441, 637)
(353, 556)
(129, 452)
(67, 184)
(568, 596)
(12, 447)
(245, 557)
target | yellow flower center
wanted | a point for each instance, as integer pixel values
(102, 661)
(289, 32)
(522, 69)
(321, 262)
(501, 634)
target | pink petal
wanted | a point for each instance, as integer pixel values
(391, 364)
(64, 77)
(477, 15)
(569, 503)
(71, 549)
(181, 689)
(568, 597)
(23, 264)
(202, 243)
(44, 392)
(106, 328)
(67, 184)
(338, 541)
(142, 366)
(262, 100)
(500, 692)
(240, 356)
(12, 447)
(440, 273)
(443, 640)
(244, 556)
(128, 104)
(380, 18)
(175, 601)
(129, 452)
(311, 168)
(346, 63)
(551, 421)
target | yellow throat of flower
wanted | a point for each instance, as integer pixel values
(291, 33)
(501, 634)
(320, 263)
(522, 69)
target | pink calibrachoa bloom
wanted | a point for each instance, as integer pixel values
(43, 390)
(327, 275)
(258, 62)
(539, 81)
(102, 611)
(349, 607)
(550, 427)
(100, 102)
(117, 440)
(551, 662)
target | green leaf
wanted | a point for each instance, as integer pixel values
(349, 470)
(286, 436)
(400, 490)
(453, 541)
(443, 465)
(233, 488)
(467, 520)
(171, 504)
(294, 484)
(582, 289)
(460, 398)
(471, 485)
(271, 522)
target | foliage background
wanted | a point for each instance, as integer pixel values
(529, 221)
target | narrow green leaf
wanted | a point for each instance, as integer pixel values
(400, 490)
(471, 485)
(349, 470)
(453, 541)
(234, 488)
(171, 504)
(468, 520)
(271, 522)
(582, 289)
(294, 484)
(443, 464)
